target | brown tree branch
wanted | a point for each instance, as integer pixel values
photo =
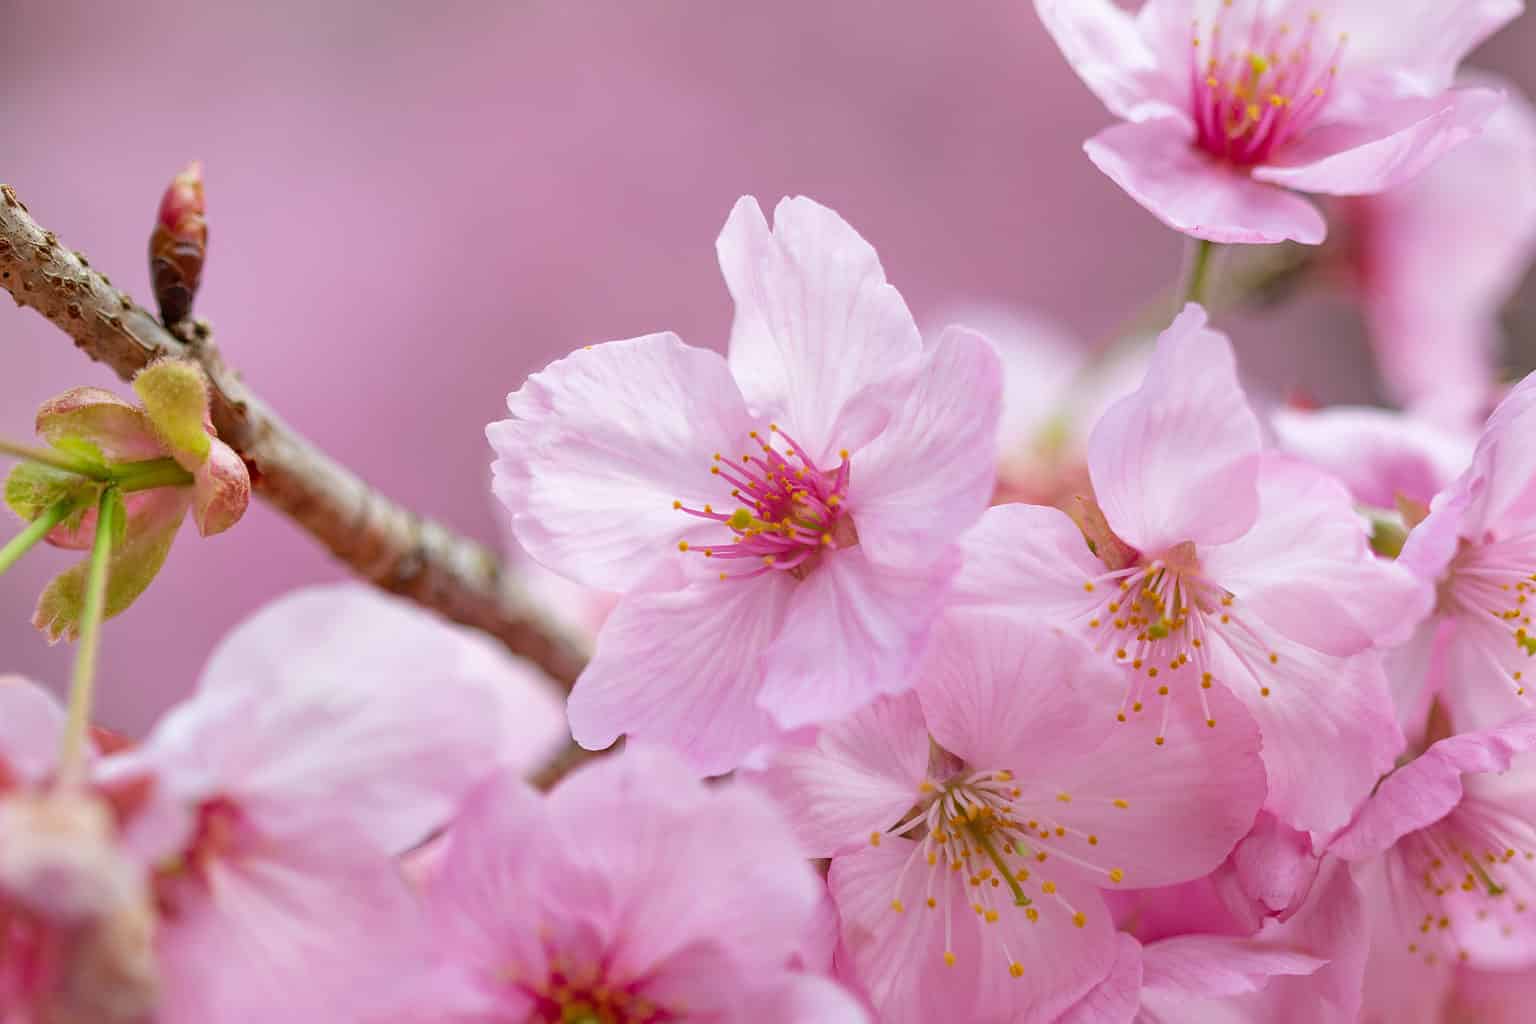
(377, 538)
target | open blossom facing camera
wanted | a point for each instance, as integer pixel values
(632, 894)
(967, 867)
(1216, 564)
(784, 523)
(1231, 104)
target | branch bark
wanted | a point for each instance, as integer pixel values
(377, 538)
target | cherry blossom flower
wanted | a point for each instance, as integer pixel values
(1230, 104)
(783, 524)
(1478, 548)
(1445, 851)
(972, 825)
(335, 729)
(1434, 261)
(632, 892)
(1216, 565)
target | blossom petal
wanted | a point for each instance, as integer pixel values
(898, 957)
(1104, 45)
(1158, 166)
(1486, 675)
(1397, 141)
(806, 999)
(1500, 488)
(818, 333)
(1161, 455)
(31, 722)
(682, 665)
(1430, 786)
(339, 703)
(1117, 998)
(221, 488)
(1423, 41)
(1306, 567)
(858, 777)
(854, 631)
(1328, 724)
(615, 434)
(1002, 694)
(931, 472)
(1029, 558)
(118, 429)
(1208, 966)
(1377, 453)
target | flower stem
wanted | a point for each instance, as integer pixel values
(55, 458)
(150, 474)
(82, 685)
(36, 530)
(1199, 272)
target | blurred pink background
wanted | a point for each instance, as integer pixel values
(414, 205)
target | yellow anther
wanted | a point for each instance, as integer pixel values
(677, 504)
(949, 959)
(991, 917)
(874, 839)
(1016, 969)
(1048, 887)
(682, 545)
(1116, 875)
(932, 903)
(1121, 804)
(897, 906)
(1065, 798)
(1080, 919)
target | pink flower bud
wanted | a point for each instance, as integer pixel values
(179, 244)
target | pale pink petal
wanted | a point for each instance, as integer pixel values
(117, 428)
(1394, 143)
(31, 724)
(854, 631)
(1105, 47)
(1211, 966)
(1157, 164)
(818, 333)
(1117, 998)
(806, 999)
(1306, 568)
(1423, 41)
(1486, 676)
(857, 777)
(1187, 433)
(608, 439)
(1029, 558)
(1003, 694)
(1399, 987)
(930, 473)
(898, 957)
(682, 863)
(1434, 542)
(1430, 786)
(302, 935)
(1501, 486)
(337, 702)
(1417, 672)
(682, 665)
(1328, 724)
(1273, 868)
(1493, 997)
(222, 490)
(1377, 453)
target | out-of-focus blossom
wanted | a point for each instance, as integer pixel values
(105, 432)
(784, 524)
(632, 892)
(1444, 851)
(1211, 564)
(334, 730)
(1436, 259)
(966, 867)
(1230, 105)
(1478, 548)
(76, 911)
(1382, 456)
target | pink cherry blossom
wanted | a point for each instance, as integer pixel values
(1380, 455)
(972, 825)
(335, 729)
(1435, 260)
(1230, 104)
(783, 524)
(1218, 566)
(632, 892)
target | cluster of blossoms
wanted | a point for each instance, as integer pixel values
(1046, 693)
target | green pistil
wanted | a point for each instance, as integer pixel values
(1158, 630)
(580, 1013)
(1494, 888)
(984, 841)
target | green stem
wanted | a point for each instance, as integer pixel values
(82, 685)
(55, 458)
(36, 530)
(150, 474)
(1199, 272)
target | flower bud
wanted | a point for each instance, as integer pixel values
(179, 244)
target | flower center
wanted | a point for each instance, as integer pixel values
(217, 836)
(1256, 82)
(1159, 618)
(984, 839)
(787, 513)
(1491, 584)
(1474, 867)
(580, 993)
